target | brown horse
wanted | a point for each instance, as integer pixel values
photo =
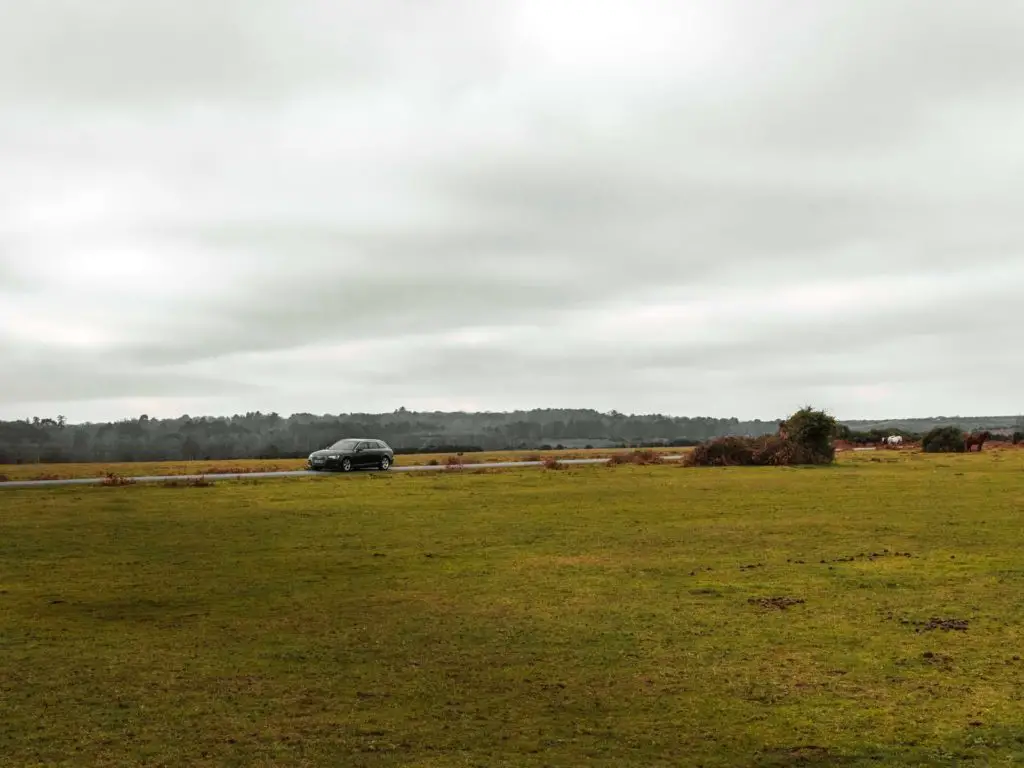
(976, 439)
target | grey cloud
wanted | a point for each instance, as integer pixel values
(874, 349)
(58, 381)
(10, 278)
(347, 172)
(129, 54)
(310, 308)
(869, 75)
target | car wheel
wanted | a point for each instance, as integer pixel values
(346, 464)
(385, 462)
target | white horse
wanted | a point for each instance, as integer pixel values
(894, 440)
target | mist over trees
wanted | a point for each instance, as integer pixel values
(271, 436)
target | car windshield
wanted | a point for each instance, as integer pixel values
(344, 445)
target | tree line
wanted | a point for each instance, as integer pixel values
(271, 436)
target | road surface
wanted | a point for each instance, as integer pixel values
(293, 473)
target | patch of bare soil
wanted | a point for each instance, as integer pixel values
(947, 625)
(778, 603)
(808, 755)
(937, 659)
(959, 625)
(871, 556)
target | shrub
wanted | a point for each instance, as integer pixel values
(814, 431)
(647, 456)
(1018, 437)
(642, 457)
(806, 437)
(776, 451)
(112, 478)
(944, 440)
(453, 462)
(722, 452)
(552, 463)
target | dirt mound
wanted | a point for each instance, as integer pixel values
(948, 625)
(778, 603)
(868, 556)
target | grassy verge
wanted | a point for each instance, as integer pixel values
(238, 466)
(862, 614)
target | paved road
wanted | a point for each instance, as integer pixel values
(293, 473)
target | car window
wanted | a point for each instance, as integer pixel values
(365, 445)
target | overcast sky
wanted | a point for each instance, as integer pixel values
(712, 207)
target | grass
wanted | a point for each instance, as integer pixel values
(627, 615)
(239, 466)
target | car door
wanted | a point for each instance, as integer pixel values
(364, 454)
(377, 450)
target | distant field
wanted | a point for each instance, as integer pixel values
(862, 614)
(234, 466)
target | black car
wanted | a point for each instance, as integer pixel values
(353, 453)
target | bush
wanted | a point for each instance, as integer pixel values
(776, 451)
(1018, 437)
(814, 431)
(944, 440)
(552, 463)
(642, 457)
(806, 437)
(722, 452)
(112, 478)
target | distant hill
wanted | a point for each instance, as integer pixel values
(992, 423)
(269, 435)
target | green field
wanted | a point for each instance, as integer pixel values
(595, 615)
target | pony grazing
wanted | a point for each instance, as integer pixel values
(893, 440)
(976, 439)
